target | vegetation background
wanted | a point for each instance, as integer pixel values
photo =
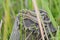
(10, 8)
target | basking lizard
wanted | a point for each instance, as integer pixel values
(29, 18)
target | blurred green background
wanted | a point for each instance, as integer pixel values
(10, 8)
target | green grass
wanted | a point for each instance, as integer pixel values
(7, 20)
(21, 20)
(51, 6)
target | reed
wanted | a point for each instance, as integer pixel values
(7, 20)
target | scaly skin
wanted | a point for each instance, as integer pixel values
(31, 24)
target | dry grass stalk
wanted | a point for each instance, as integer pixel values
(38, 17)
